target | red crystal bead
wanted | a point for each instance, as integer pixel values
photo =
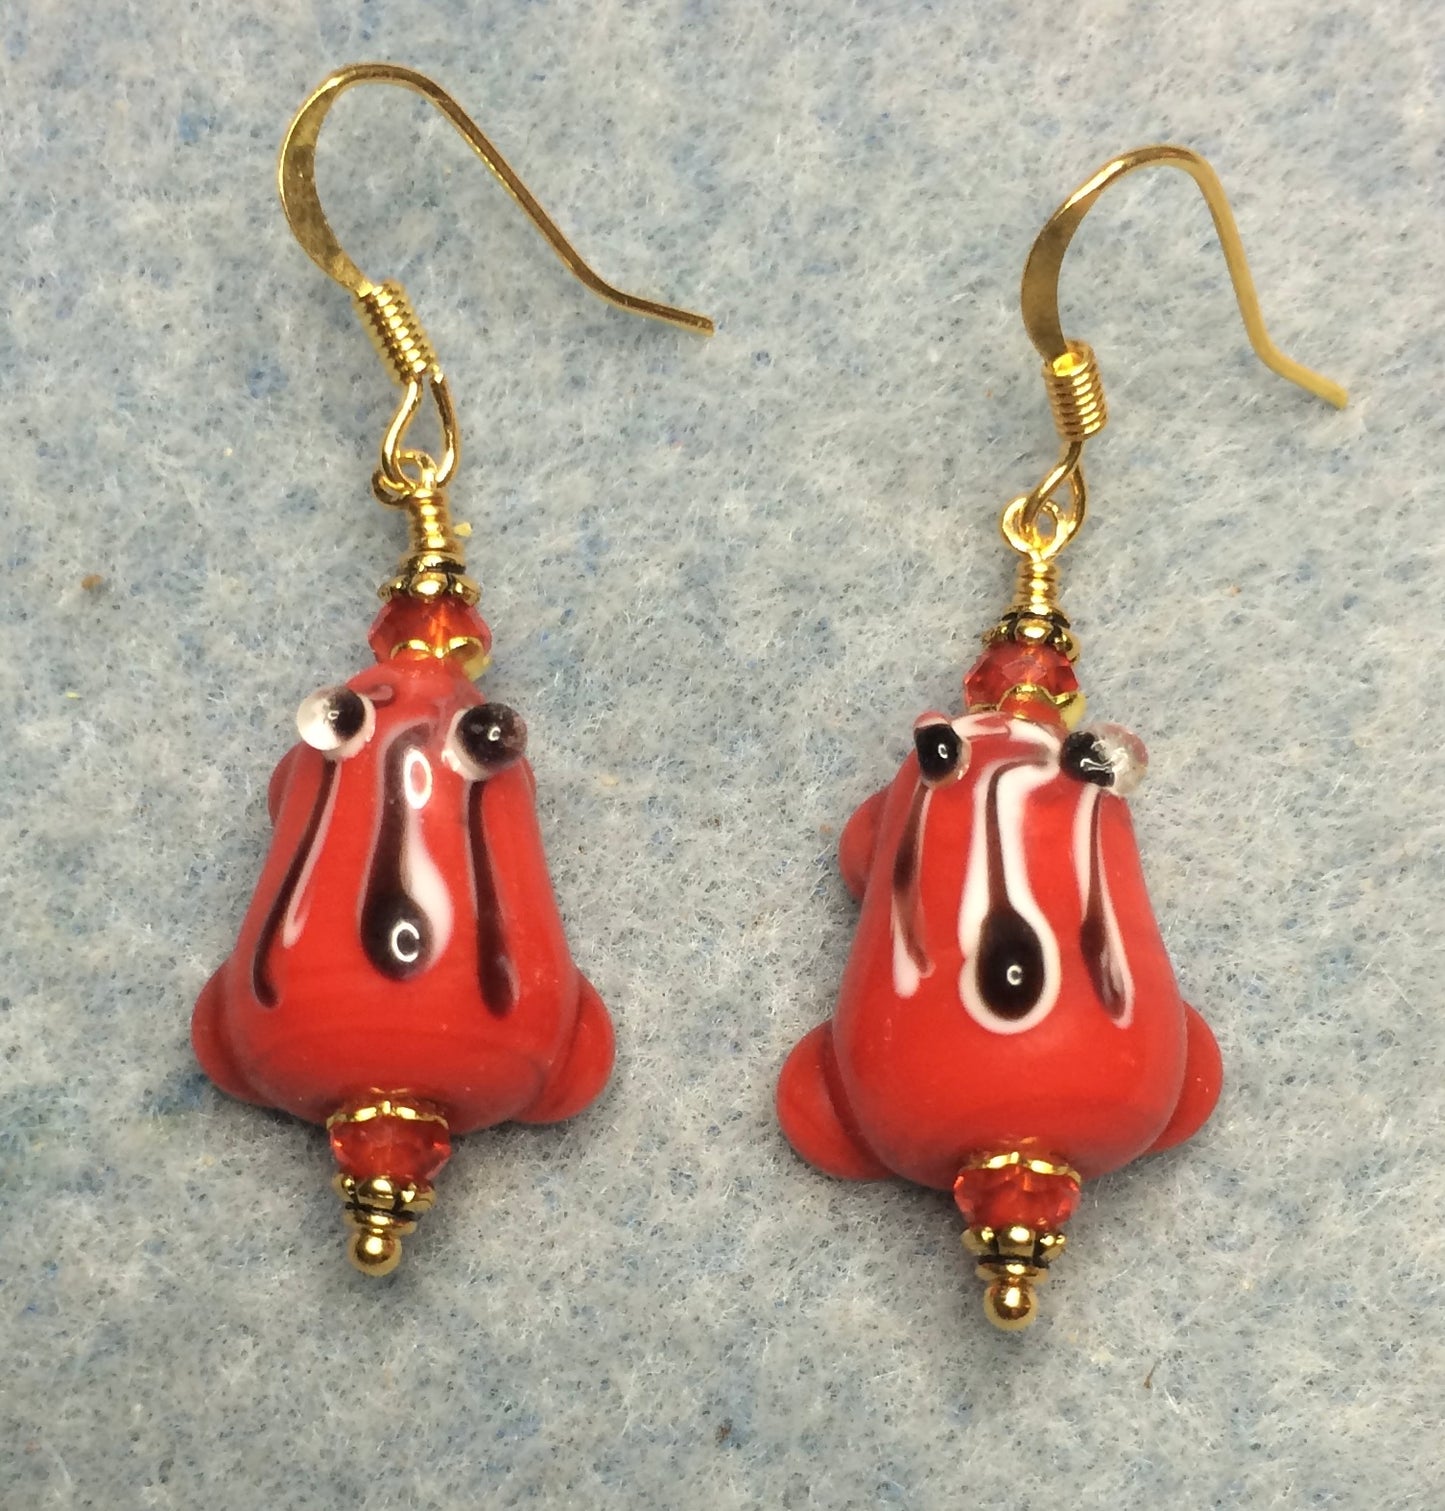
(444, 626)
(1015, 1196)
(404, 1149)
(1011, 664)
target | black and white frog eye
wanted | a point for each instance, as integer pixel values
(942, 751)
(484, 740)
(1107, 755)
(337, 721)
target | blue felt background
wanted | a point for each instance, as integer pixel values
(723, 577)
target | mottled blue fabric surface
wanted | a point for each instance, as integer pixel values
(724, 577)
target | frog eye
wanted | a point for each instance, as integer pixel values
(336, 721)
(942, 754)
(1106, 754)
(484, 740)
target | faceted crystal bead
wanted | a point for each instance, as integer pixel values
(1015, 1196)
(403, 1149)
(1011, 664)
(445, 626)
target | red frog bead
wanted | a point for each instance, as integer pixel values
(1008, 1024)
(401, 974)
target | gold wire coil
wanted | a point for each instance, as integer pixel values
(428, 514)
(1035, 617)
(410, 478)
(396, 332)
(1076, 400)
(1036, 587)
(434, 564)
(1076, 393)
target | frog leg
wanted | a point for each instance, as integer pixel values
(208, 1038)
(1203, 1078)
(815, 1114)
(858, 841)
(580, 1076)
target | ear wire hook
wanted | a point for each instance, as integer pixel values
(406, 476)
(1071, 374)
(296, 173)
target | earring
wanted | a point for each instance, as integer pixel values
(401, 975)
(1009, 1025)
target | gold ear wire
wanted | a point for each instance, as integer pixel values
(406, 476)
(1037, 524)
(296, 173)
